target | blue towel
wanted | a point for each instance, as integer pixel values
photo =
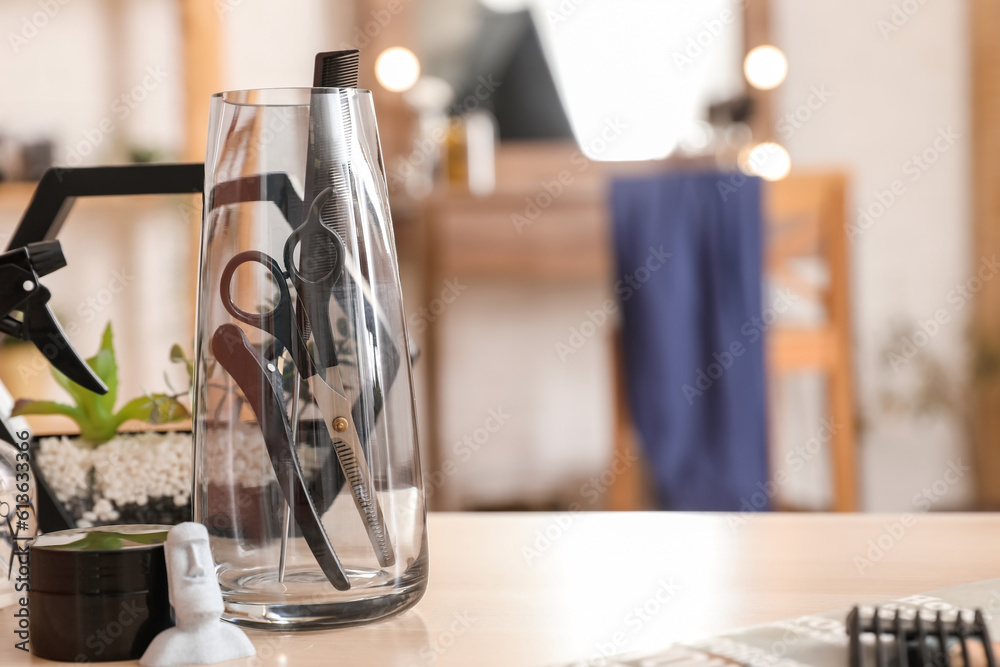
(692, 335)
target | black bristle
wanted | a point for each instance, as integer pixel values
(881, 659)
(921, 632)
(920, 641)
(984, 635)
(961, 631)
(942, 637)
(337, 69)
(854, 630)
(902, 659)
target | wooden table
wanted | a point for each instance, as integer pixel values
(501, 593)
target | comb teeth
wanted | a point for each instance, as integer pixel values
(917, 639)
(334, 214)
(337, 69)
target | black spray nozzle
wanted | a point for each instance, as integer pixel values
(20, 292)
(42, 257)
(46, 256)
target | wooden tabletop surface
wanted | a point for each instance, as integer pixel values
(540, 589)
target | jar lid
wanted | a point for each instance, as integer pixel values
(101, 560)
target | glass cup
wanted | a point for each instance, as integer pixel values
(307, 472)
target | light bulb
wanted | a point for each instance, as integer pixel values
(765, 67)
(768, 160)
(397, 69)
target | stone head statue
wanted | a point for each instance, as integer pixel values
(194, 590)
(200, 637)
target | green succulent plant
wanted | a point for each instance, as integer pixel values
(95, 414)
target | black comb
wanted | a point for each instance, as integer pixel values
(328, 167)
(327, 161)
(337, 69)
(916, 639)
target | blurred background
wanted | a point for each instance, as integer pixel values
(678, 254)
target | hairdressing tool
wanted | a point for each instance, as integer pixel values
(324, 258)
(320, 265)
(329, 165)
(327, 159)
(916, 638)
(337, 69)
(314, 256)
(261, 384)
(21, 292)
(278, 189)
(328, 389)
(314, 279)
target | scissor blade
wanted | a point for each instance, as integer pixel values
(45, 332)
(263, 391)
(334, 406)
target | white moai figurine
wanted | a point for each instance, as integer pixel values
(199, 638)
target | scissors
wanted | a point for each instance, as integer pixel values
(261, 383)
(321, 265)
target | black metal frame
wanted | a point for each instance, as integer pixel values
(59, 188)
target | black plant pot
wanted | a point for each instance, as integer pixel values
(53, 514)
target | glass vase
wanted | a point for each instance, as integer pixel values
(307, 471)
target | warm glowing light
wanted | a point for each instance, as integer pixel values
(765, 67)
(397, 69)
(768, 160)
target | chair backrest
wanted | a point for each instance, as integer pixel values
(806, 248)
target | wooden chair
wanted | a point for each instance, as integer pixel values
(805, 216)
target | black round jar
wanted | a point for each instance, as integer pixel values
(98, 594)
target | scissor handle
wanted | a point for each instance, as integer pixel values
(279, 321)
(271, 321)
(314, 227)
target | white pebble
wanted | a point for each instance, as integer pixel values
(127, 469)
(131, 469)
